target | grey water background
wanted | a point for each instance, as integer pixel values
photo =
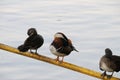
(92, 25)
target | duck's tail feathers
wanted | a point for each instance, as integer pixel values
(75, 49)
(23, 48)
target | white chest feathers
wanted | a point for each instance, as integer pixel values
(55, 52)
(106, 68)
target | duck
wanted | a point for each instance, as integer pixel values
(109, 63)
(61, 46)
(33, 42)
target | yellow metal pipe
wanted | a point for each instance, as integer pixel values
(53, 61)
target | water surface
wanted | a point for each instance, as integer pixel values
(92, 25)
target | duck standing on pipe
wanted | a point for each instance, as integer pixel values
(61, 46)
(33, 42)
(109, 63)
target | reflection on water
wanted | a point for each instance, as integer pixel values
(91, 24)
